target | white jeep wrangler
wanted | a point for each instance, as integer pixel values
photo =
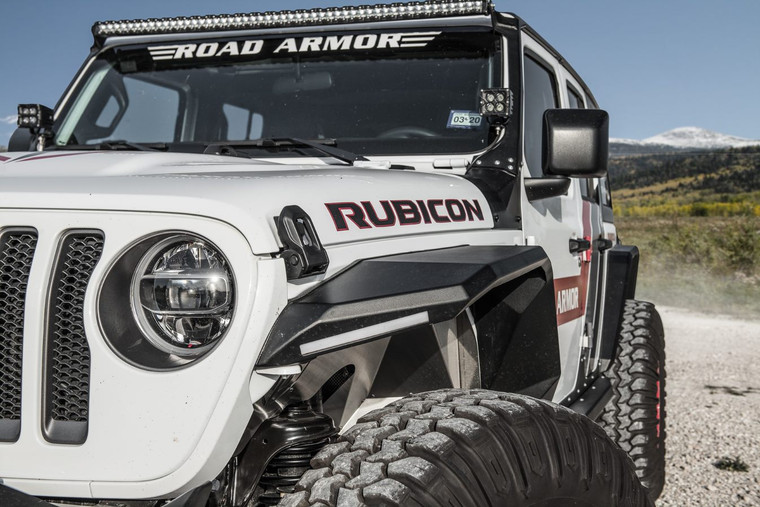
(347, 256)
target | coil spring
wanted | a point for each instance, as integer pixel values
(285, 470)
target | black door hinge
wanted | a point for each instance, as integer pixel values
(579, 245)
(303, 253)
(603, 244)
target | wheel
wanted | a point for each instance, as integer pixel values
(407, 133)
(635, 416)
(470, 449)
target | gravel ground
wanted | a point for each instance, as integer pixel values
(713, 409)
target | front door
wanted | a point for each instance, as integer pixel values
(562, 225)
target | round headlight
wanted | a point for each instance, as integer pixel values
(182, 295)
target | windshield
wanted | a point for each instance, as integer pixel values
(371, 92)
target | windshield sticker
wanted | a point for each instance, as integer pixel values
(206, 50)
(330, 43)
(464, 120)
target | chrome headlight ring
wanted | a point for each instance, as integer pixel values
(182, 295)
(167, 300)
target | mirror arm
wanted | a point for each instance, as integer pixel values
(543, 188)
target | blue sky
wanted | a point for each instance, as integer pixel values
(654, 65)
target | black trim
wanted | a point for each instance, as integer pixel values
(375, 291)
(10, 497)
(266, 461)
(17, 248)
(303, 254)
(66, 377)
(494, 172)
(197, 497)
(517, 336)
(621, 264)
(498, 187)
(591, 403)
(544, 188)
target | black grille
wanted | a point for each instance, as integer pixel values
(16, 252)
(68, 361)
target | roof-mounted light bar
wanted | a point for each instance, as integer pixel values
(332, 15)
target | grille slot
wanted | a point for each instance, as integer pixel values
(67, 382)
(16, 253)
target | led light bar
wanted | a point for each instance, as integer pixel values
(332, 15)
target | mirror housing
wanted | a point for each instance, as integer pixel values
(576, 142)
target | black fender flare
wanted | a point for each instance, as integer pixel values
(380, 296)
(621, 265)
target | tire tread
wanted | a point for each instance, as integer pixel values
(629, 418)
(467, 448)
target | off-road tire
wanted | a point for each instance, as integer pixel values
(635, 416)
(470, 448)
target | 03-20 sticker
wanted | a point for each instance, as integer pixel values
(464, 120)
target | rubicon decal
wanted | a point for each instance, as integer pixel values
(369, 214)
(328, 43)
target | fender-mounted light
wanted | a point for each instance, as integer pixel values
(302, 17)
(183, 295)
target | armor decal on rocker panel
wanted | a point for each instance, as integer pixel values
(570, 292)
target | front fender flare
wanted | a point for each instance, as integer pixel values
(384, 295)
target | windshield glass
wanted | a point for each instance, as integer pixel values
(372, 92)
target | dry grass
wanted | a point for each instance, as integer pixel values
(709, 264)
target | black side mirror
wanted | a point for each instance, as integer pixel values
(576, 142)
(22, 139)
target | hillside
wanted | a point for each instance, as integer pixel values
(719, 183)
(695, 216)
(681, 139)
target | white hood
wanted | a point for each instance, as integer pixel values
(245, 193)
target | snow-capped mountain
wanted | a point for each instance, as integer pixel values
(683, 138)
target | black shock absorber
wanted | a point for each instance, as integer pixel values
(310, 431)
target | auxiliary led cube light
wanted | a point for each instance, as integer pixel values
(495, 102)
(34, 116)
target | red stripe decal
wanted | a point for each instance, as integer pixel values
(3, 159)
(57, 155)
(570, 297)
(570, 292)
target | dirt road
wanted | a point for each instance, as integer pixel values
(713, 405)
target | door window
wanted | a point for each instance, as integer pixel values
(575, 101)
(540, 95)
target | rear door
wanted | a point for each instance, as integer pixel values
(593, 232)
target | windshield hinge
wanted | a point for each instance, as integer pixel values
(450, 163)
